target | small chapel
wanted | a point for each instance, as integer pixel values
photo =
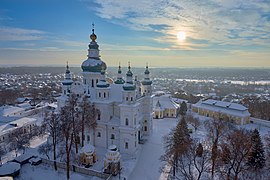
(124, 104)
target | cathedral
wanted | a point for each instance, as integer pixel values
(125, 104)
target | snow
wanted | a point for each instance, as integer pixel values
(9, 168)
(44, 172)
(92, 62)
(224, 107)
(148, 164)
(5, 128)
(165, 101)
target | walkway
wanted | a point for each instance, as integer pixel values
(148, 165)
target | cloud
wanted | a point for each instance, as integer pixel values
(234, 22)
(20, 34)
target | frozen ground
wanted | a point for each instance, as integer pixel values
(145, 165)
(43, 172)
(148, 164)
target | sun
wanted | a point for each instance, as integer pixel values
(181, 35)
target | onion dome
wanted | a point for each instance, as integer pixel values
(102, 83)
(146, 80)
(119, 80)
(67, 80)
(129, 86)
(93, 63)
(146, 70)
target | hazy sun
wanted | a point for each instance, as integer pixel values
(181, 35)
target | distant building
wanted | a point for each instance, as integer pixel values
(164, 107)
(232, 112)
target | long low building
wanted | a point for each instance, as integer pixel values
(232, 112)
(6, 129)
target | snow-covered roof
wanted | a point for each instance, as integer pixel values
(5, 128)
(9, 168)
(165, 102)
(223, 107)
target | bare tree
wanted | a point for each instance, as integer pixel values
(235, 152)
(193, 121)
(267, 145)
(74, 114)
(46, 149)
(91, 119)
(191, 164)
(217, 128)
(66, 124)
(51, 122)
(19, 140)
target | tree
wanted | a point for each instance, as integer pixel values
(235, 150)
(67, 132)
(183, 108)
(51, 122)
(256, 159)
(45, 149)
(19, 140)
(216, 129)
(176, 144)
(74, 115)
(199, 150)
(193, 121)
(88, 116)
(267, 141)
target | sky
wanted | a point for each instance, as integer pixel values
(219, 33)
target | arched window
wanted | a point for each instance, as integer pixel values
(99, 94)
(98, 134)
(126, 121)
(131, 98)
(98, 117)
(112, 136)
(145, 128)
(126, 98)
(104, 95)
(126, 145)
(92, 82)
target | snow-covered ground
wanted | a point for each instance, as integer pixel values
(43, 172)
(145, 165)
(148, 164)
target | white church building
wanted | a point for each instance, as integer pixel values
(125, 105)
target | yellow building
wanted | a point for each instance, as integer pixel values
(88, 155)
(164, 107)
(232, 112)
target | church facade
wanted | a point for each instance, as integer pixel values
(125, 105)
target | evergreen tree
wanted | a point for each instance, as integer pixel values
(199, 150)
(177, 143)
(183, 108)
(256, 159)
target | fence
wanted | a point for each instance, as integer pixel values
(81, 170)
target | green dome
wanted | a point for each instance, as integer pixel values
(93, 65)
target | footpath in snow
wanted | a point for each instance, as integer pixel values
(148, 165)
